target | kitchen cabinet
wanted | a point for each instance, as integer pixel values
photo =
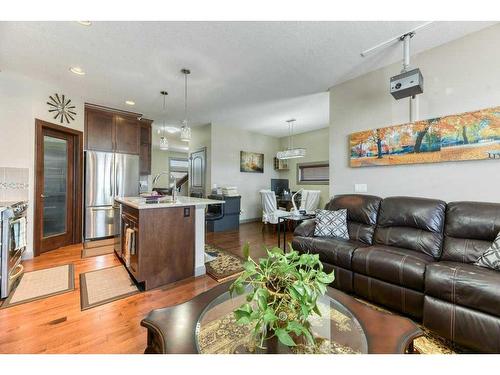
(163, 244)
(145, 148)
(99, 130)
(112, 131)
(127, 135)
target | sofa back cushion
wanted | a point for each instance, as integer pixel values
(470, 229)
(362, 211)
(411, 223)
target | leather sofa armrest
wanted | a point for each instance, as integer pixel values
(305, 229)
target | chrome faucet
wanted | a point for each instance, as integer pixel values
(157, 177)
(171, 178)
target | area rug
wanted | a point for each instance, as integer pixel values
(429, 343)
(96, 248)
(39, 284)
(225, 265)
(105, 285)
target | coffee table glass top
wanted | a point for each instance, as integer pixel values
(337, 331)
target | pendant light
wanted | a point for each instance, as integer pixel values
(291, 152)
(163, 136)
(185, 129)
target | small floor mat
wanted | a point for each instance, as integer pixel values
(96, 248)
(225, 265)
(104, 286)
(39, 284)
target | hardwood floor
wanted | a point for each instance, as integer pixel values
(57, 325)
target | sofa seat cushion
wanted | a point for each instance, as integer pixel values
(464, 284)
(335, 251)
(392, 264)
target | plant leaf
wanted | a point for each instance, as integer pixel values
(284, 337)
(246, 250)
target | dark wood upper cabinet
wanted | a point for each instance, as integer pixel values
(145, 151)
(112, 130)
(99, 130)
(126, 135)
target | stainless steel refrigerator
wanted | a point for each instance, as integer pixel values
(107, 175)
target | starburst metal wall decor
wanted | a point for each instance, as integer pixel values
(62, 107)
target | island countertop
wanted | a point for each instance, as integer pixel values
(182, 201)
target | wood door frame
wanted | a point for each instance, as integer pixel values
(77, 135)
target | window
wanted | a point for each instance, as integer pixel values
(178, 165)
(313, 173)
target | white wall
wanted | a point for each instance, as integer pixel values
(21, 101)
(316, 144)
(227, 142)
(159, 163)
(460, 76)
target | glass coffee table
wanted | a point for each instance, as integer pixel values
(206, 325)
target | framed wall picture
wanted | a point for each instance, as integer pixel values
(251, 162)
(466, 136)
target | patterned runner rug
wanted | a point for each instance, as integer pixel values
(225, 265)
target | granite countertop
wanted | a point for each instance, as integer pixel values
(182, 201)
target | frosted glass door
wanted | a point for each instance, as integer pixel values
(55, 196)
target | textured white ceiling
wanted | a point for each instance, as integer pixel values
(252, 75)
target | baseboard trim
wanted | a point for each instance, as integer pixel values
(244, 221)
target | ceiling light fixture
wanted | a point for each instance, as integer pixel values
(163, 138)
(129, 102)
(291, 152)
(185, 129)
(85, 23)
(172, 129)
(77, 70)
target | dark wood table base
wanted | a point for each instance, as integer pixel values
(172, 329)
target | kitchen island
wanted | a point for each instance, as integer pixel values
(163, 242)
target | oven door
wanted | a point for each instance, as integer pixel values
(17, 232)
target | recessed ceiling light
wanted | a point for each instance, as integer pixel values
(77, 70)
(129, 102)
(172, 129)
(84, 23)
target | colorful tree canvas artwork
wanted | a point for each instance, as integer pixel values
(467, 136)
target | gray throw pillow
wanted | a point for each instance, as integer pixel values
(331, 224)
(491, 257)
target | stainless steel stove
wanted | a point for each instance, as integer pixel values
(13, 237)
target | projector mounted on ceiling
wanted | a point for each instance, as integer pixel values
(409, 82)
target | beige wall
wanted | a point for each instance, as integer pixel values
(460, 76)
(227, 142)
(159, 163)
(22, 100)
(316, 145)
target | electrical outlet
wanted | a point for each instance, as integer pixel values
(360, 188)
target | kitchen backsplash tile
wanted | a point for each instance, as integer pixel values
(14, 184)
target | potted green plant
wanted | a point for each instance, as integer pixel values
(282, 292)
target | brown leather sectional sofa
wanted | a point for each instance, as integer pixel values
(415, 256)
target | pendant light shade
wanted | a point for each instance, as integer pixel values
(162, 131)
(163, 143)
(291, 152)
(185, 129)
(185, 132)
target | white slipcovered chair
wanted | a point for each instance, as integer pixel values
(310, 200)
(270, 212)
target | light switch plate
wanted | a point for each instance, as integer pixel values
(360, 188)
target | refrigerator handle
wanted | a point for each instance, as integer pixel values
(112, 178)
(118, 168)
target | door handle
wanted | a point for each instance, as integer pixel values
(101, 209)
(42, 196)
